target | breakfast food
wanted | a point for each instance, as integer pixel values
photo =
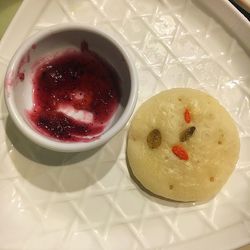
(182, 145)
(75, 94)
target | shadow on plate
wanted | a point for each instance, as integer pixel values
(56, 171)
(39, 154)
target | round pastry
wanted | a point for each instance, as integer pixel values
(182, 145)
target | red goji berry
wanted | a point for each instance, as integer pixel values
(187, 116)
(180, 152)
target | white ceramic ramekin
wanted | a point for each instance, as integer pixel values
(18, 91)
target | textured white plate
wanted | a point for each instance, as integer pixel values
(87, 201)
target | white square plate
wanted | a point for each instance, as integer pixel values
(61, 201)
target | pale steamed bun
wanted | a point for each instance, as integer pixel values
(182, 145)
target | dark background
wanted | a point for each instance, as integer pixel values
(245, 13)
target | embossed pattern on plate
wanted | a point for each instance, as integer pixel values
(87, 201)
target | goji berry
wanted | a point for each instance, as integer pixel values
(180, 152)
(187, 116)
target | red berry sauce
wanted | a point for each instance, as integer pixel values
(21, 76)
(78, 81)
